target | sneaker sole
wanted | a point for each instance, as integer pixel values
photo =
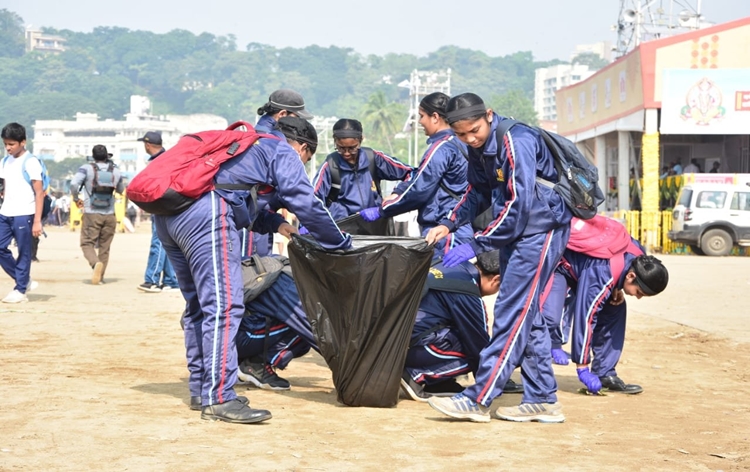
(148, 290)
(532, 419)
(205, 416)
(475, 418)
(411, 393)
(97, 276)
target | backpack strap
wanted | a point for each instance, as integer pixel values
(370, 153)
(335, 171)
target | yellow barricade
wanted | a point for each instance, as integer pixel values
(76, 214)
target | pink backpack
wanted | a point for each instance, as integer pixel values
(603, 238)
(600, 237)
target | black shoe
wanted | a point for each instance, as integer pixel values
(614, 383)
(196, 403)
(262, 375)
(234, 411)
(512, 387)
(412, 389)
(446, 388)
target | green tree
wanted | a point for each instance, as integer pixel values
(381, 118)
(515, 104)
(12, 34)
(64, 169)
(594, 61)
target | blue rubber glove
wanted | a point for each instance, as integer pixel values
(588, 379)
(560, 357)
(458, 254)
(303, 231)
(370, 214)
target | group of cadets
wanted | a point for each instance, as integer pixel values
(466, 171)
(544, 289)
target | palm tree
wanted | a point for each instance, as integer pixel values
(381, 115)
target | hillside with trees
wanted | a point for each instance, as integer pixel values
(183, 73)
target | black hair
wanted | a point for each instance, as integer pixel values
(268, 109)
(300, 130)
(489, 262)
(435, 103)
(347, 128)
(650, 274)
(467, 106)
(14, 132)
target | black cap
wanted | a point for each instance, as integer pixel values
(153, 137)
(99, 153)
(289, 100)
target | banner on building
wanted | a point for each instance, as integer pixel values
(705, 101)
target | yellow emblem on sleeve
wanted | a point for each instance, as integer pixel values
(436, 273)
(500, 176)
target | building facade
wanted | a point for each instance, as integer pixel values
(60, 139)
(671, 100)
(548, 80)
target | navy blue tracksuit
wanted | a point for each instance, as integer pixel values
(203, 244)
(453, 349)
(531, 228)
(598, 326)
(289, 333)
(358, 190)
(442, 169)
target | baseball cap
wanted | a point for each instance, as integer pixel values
(99, 153)
(290, 100)
(152, 137)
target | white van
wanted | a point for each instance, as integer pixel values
(712, 214)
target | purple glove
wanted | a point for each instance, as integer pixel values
(560, 357)
(370, 214)
(303, 231)
(458, 254)
(588, 379)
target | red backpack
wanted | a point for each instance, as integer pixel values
(603, 238)
(173, 181)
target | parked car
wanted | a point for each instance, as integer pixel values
(712, 214)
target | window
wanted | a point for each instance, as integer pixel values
(741, 201)
(711, 199)
(685, 196)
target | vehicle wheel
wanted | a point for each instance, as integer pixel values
(697, 250)
(716, 242)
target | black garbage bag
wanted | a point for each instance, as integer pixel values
(362, 304)
(354, 224)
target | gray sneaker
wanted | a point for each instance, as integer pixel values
(461, 408)
(525, 412)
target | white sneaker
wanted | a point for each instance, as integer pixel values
(15, 297)
(33, 285)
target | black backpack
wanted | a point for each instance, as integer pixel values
(333, 165)
(578, 178)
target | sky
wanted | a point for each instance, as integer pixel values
(549, 28)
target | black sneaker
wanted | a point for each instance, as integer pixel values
(149, 288)
(412, 389)
(512, 387)
(446, 388)
(262, 375)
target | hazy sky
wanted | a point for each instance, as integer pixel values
(549, 28)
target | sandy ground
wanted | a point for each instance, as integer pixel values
(94, 378)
